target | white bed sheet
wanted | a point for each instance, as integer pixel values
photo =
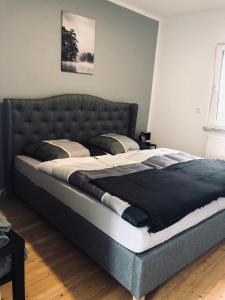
(135, 239)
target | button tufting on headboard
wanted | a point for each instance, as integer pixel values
(76, 117)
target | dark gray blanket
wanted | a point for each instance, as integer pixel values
(167, 195)
(153, 187)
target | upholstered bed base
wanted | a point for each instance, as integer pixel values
(139, 273)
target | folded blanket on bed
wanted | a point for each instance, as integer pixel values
(153, 188)
(82, 173)
(169, 194)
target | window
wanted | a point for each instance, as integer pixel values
(217, 110)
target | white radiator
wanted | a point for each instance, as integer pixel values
(215, 147)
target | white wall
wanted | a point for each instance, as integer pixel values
(183, 79)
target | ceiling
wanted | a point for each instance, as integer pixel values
(166, 8)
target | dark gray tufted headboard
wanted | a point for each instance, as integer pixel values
(77, 117)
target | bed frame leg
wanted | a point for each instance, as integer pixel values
(142, 298)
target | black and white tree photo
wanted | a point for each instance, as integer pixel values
(77, 44)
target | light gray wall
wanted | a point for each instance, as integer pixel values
(30, 37)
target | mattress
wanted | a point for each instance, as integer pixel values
(135, 239)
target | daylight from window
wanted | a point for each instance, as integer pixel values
(220, 116)
(216, 118)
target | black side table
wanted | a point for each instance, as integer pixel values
(146, 145)
(15, 248)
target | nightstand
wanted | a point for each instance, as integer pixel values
(147, 145)
(15, 249)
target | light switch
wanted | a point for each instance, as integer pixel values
(198, 110)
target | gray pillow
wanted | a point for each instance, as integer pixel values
(114, 143)
(54, 149)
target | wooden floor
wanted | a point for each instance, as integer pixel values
(57, 270)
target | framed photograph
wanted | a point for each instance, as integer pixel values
(77, 44)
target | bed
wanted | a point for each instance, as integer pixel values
(81, 117)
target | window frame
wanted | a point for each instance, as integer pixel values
(212, 120)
